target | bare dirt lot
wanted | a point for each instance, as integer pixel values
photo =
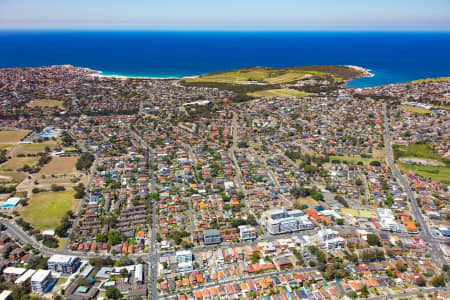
(60, 165)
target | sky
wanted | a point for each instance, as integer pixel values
(226, 14)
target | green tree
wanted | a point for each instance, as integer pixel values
(113, 293)
(364, 292)
(124, 273)
(373, 240)
(438, 281)
(113, 238)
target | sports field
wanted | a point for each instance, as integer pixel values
(45, 210)
(45, 103)
(32, 148)
(12, 136)
(60, 165)
(278, 93)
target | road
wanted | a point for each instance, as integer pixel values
(366, 188)
(425, 234)
(80, 203)
(410, 293)
(238, 175)
(153, 255)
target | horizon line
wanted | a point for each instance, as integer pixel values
(325, 29)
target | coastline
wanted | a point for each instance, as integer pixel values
(100, 74)
(364, 71)
(96, 73)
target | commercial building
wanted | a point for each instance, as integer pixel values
(40, 281)
(386, 220)
(184, 260)
(247, 232)
(211, 236)
(63, 264)
(139, 274)
(279, 221)
(330, 238)
(184, 256)
(11, 203)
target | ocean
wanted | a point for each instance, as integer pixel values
(392, 57)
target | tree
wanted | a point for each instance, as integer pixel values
(85, 161)
(352, 294)
(101, 237)
(113, 238)
(438, 281)
(375, 163)
(124, 273)
(364, 292)
(400, 267)
(420, 281)
(113, 293)
(79, 191)
(255, 257)
(50, 242)
(373, 240)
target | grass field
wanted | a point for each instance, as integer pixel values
(33, 148)
(359, 213)
(415, 109)
(259, 74)
(438, 79)
(45, 103)
(307, 201)
(60, 165)
(440, 174)
(416, 150)
(424, 151)
(445, 107)
(4, 146)
(18, 162)
(46, 209)
(278, 93)
(12, 136)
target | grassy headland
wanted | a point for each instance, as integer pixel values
(248, 83)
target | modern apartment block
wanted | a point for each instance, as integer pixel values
(279, 221)
(40, 281)
(63, 264)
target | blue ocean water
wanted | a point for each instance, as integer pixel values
(392, 56)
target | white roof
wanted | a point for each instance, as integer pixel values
(14, 271)
(13, 201)
(183, 252)
(48, 232)
(60, 258)
(40, 275)
(27, 275)
(5, 294)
